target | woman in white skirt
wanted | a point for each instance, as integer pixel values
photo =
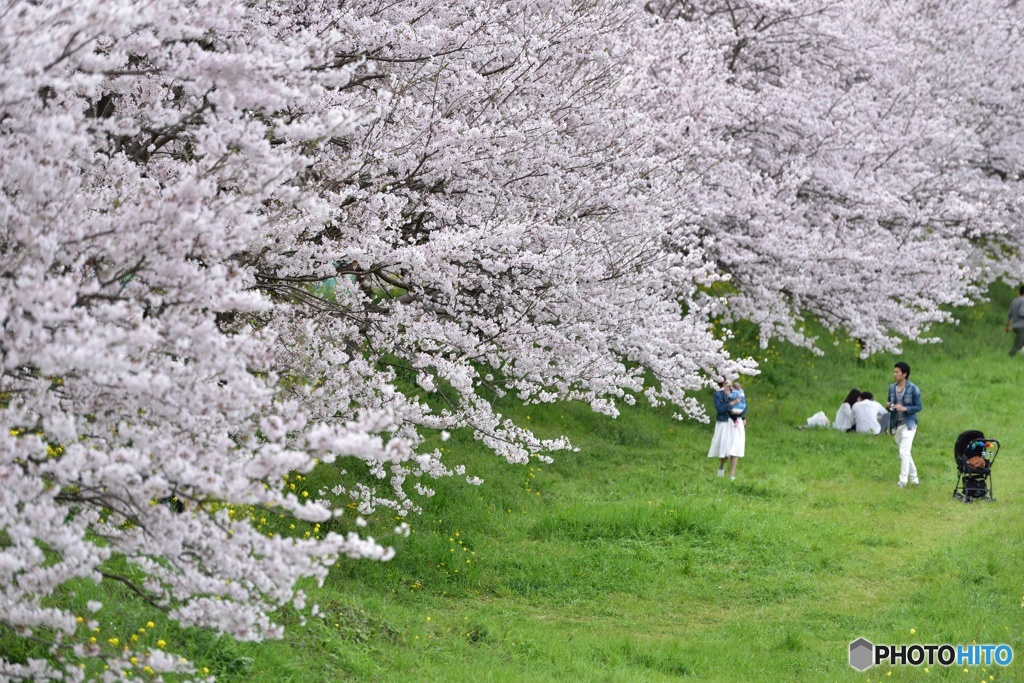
(730, 439)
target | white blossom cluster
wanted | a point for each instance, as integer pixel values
(240, 240)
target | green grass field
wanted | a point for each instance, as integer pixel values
(631, 561)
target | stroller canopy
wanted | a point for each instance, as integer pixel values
(964, 441)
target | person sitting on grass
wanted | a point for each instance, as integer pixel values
(868, 414)
(844, 417)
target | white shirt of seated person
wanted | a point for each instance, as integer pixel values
(866, 413)
(844, 418)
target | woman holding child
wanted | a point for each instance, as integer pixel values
(730, 439)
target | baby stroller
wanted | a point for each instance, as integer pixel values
(974, 457)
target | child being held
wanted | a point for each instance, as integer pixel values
(738, 401)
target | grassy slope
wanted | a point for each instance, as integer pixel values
(631, 561)
(636, 563)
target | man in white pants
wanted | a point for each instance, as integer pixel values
(904, 404)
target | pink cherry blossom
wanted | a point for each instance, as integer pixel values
(243, 240)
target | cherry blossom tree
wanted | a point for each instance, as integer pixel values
(976, 59)
(178, 181)
(141, 151)
(872, 180)
(244, 240)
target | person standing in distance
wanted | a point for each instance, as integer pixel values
(1015, 319)
(729, 441)
(904, 404)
